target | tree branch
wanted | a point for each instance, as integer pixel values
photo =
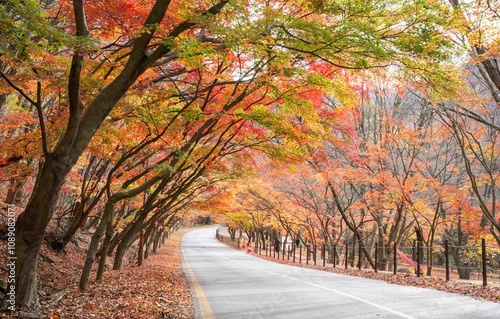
(39, 110)
(491, 8)
(18, 89)
(181, 27)
(75, 102)
(37, 104)
(474, 116)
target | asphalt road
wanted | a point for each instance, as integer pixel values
(230, 284)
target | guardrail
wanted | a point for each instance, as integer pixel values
(228, 240)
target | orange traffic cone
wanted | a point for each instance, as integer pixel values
(249, 250)
(243, 246)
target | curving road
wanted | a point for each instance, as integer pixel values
(231, 284)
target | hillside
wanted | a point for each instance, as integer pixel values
(158, 289)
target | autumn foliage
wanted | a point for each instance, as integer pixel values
(336, 121)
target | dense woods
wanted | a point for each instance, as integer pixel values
(325, 121)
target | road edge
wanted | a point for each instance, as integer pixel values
(202, 309)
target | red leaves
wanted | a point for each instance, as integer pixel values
(156, 290)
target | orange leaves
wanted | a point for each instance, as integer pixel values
(139, 292)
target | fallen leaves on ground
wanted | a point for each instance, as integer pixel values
(158, 289)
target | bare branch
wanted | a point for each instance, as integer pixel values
(37, 104)
(472, 115)
(492, 10)
(18, 89)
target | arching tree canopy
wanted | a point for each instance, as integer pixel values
(298, 116)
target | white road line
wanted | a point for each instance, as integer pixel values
(393, 311)
(205, 309)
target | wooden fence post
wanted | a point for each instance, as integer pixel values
(315, 249)
(418, 258)
(447, 260)
(483, 253)
(307, 254)
(334, 254)
(324, 254)
(346, 254)
(395, 262)
(360, 254)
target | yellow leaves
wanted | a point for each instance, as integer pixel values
(12, 105)
(492, 52)
(124, 221)
(336, 87)
(478, 22)
(422, 207)
(192, 113)
(163, 169)
(242, 219)
(296, 106)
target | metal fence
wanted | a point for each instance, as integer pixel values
(478, 262)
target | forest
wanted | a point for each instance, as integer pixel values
(330, 122)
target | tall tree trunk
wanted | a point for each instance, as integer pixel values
(30, 230)
(124, 243)
(115, 241)
(157, 241)
(14, 187)
(353, 228)
(141, 248)
(164, 238)
(149, 236)
(104, 250)
(81, 127)
(94, 243)
(81, 215)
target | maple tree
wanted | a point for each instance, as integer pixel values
(392, 178)
(228, 74)
(472, 117)
(402, 165)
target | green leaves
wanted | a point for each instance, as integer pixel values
(190, 114)
(25, 30)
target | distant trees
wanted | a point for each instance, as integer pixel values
(403, 171)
